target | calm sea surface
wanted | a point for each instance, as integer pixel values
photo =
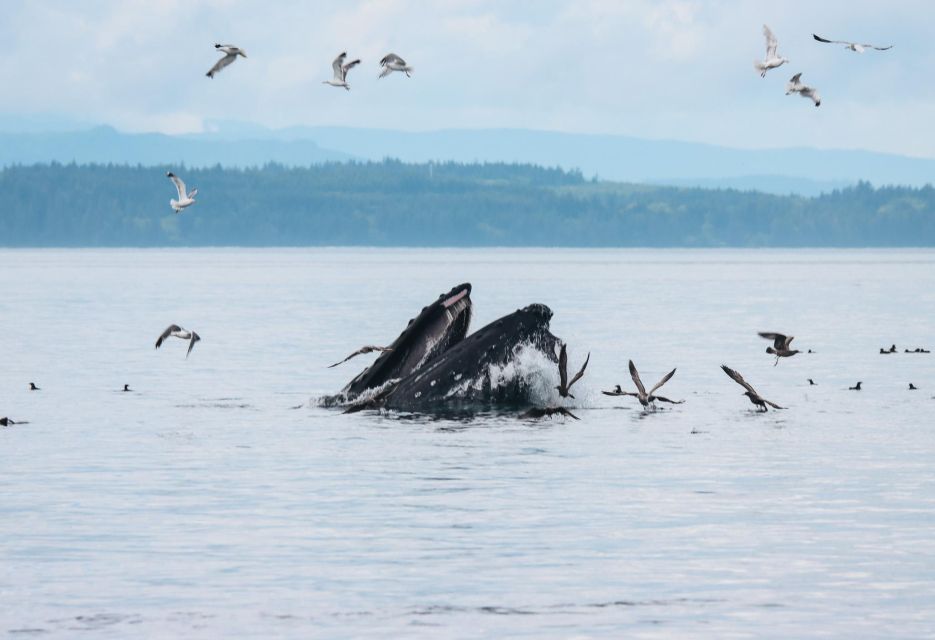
(205, 505)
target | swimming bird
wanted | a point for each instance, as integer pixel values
(780, 346)
(175, 331)
(811, 383)
(33, 387)
(646, 399)
(853, 46)
(856, 387)
(340, 71)
(6, 422)
(884, 352)
(772, 59)
(564, 386)
(185, 199)
(230, 54)
(893, 348)
(535, 413)
(366, 349)
(392, 62)
(751, 393)
(795, 85)
(126, 387)
(912, 387)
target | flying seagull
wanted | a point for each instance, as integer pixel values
(751, 393)
(33, 387)
(795, 85)
(853, 46)
(230, 54)
(175, 331)
(340, 71)
(392, 62)
(780, 347)
(564, 386)
(366, 349)
(535, 413)
(645, 399)
(772, 59)
(185, 199)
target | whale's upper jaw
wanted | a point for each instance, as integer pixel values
(438, 327)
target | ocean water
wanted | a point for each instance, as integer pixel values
(218, 500)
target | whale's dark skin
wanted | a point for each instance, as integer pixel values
(438, 327)
(460, 377)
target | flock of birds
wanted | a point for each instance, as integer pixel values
(795, 85)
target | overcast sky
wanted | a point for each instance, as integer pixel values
(674, 69)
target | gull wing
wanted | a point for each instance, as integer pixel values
(789, 339)
(179, 184)
(566, 412)
(661, 399)
(391, 58)
(793, 81)
(826, 41)
(167, 333)
(779, 340)
(772, 404)
(736, 377)
(191, 344)
(664, 380)
(870, 46)
(350, 65)
(618, 394)
(338, 66)
(365, 349)
(563, 367)
(220, 64)
(771, 42)
(636, 378)
(581, 372)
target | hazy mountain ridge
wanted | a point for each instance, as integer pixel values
(618, 158)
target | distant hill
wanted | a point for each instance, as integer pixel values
(618, 158)
(439, 204)
(105, 145)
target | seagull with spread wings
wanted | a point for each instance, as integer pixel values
(646, 399)
(780, 347)
(772, 59)
(751, 393)
(186, 198)
(547, 412)
(365, 349)
(175, 331)
(230, 54)
(340, 71)
(392, 62)
(564, 386)
(853, 46)
(795, 85)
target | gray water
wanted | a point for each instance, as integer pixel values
(204, 505)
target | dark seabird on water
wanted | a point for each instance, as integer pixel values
(126, 387)
(856, 387)
(564, 386)
(780, 347)
(366, 349)
(6, 422)
(175, 331)
(646, 399)
(811, 383)
(912, 387)
(33, 387)
(884, 352)
(751, 393)
(893, 348)
(535, 413)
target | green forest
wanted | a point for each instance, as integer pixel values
(391, 203)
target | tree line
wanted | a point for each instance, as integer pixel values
(391, 203)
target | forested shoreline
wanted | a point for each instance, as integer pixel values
(391, 203)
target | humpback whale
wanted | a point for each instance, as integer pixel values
(436, 329)
(468, 375)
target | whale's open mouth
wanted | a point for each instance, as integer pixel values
(438, 327)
